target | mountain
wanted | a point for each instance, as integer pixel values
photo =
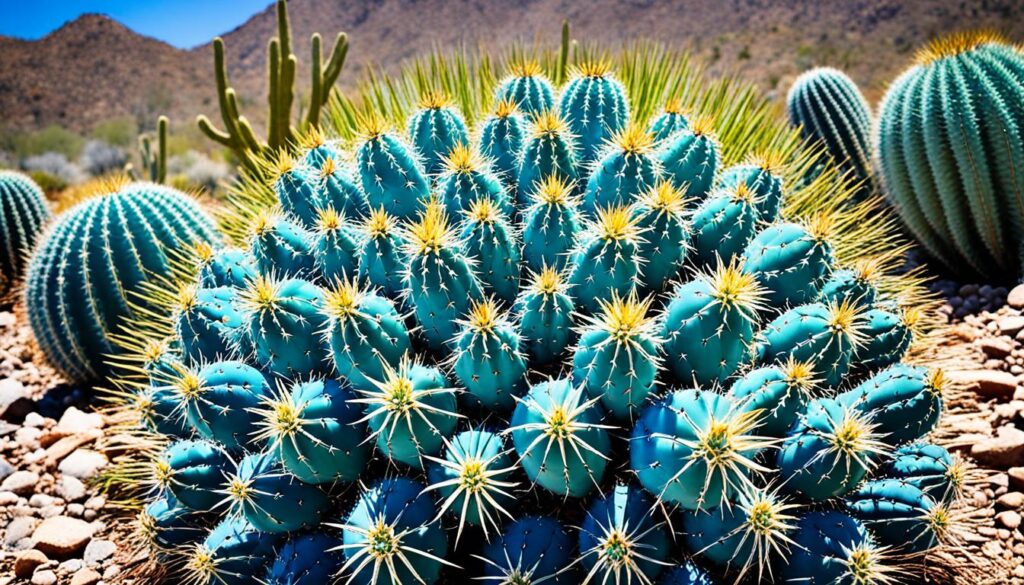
(94, 68)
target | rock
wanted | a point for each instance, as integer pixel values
(18, 528)
(98, 551)
(15, 402)
(1016, 475)
(1003, 451)
(1009, 519)
(34, 420)
(62, 536)
(1016, 297)
(20, 482)
(7, 319)
(111, 571)
(6, 469)
(44, 578)
(995, 347)
(70, 488)
(83, 464)
(56, 452)
(95, 503)
(7, 499)
(86, 576)
(1011, 501)
(70, 566)
(76, 510)
(74, 421)
(1011, 325)
(25, 563)
(986, 383)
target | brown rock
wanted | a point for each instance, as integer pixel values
(1011, 501)
(1016, 475)
(86, 576)
(1003, 451)
(67, 445)
(986, 383)
(996, 347)
(62, 536)
(25, 563)
(1009, 519)
(1016, 297)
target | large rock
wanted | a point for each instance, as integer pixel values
(1016, 297)
(1011, 325)
(20, 482)
(83, 464)
(1003, 451)
(986, 383)
(75, 421)
(26, 561)
(62, 536)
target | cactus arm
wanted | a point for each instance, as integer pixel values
(563, 56)
(316, 81)
(334, 65)
(229, 136)
(286, 89)
(207, 128)
(161, 162)
(273, 89)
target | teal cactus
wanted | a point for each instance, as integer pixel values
(623, 539)
(158, 404)
(831, 548)
(829, 109)
(335, 246)
(389, 537)
(532, 549)
(617, 359)
(308, 559)
(502, 135)
(709, 324)
(666, 246)
(285, 324)
(690, 159)
(671, 119)
(824, 335)
(314, 430)
(722, 226)
(888, 336)
(473, 481)
(466, 179)
(829, 451)
(490, 240)
(23, 212)
(230, 554)
(780, 392)
(595, 106)
(930, 468)
(280, 247)
(167, 525)
(548, 151)
(607, 258)
(904, 402)
(364, 331)
(410, 412)
(390, 172)
(624, 169)
(762, 177)
(544, 309)
(551, 225)
(82, 282)
(696, 449)
(949, 141)
(791, 261)
(435, 129)
(339, 189)
(193, 472)
(527, 87)
(855, 286)
(381, 256)
(901, 515)
(271, 499)
(219, 401)
(226, 267)
(208, 323)
(487, 359)
(315, 150)
(439, 277)
(557, 434)
(297, 190)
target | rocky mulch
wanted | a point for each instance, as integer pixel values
(53, 524)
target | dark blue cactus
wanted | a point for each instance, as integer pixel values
(905, 402)
(531, 550)
(595, 106)
(435, 129)
(487, 360)
(165, 524)
(306, 559)
(271, 499)
(23, 212)
(194, 472)
(930, 468)
(622, 538)
(831, 548)
(900, 515)
(887, 337)
(232, 553)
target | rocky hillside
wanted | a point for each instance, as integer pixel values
(94, 68)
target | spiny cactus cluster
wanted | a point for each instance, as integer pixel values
(23, 212)
(563, 346)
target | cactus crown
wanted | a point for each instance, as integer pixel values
(548, 124)
(665, 198)
(525, 68)
(957, 43)
(382, 546)
(593, 68)
(820, 227)
(201, 566)
(547, 282)
(703, 126)
(734, 289)
(618, 550)
(617, 224)
(328, 220)
(634, 139)
(855, 436)
(312, 138)
(625, 318)
(483, 316)
(434, 100)
(799, 375)
(553, 190)
(463, 160)
(262, 294)
(371, 125)
(867, 269)
(398, 399)
(561, 424)
(865, 565)
(675, 106)
(328, 168)
(379, 224)
(743, 192)
(264, 221)
(342, 299)
(937, 381)
(767, 528)
(506, 108)
(483, 210)
(283, 164)
(844, 318)
(431, 232)
(280, 417)
(203, 252)
(186, 298)
(769, 161)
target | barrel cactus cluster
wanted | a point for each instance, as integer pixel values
(575, 338)
(23, 212)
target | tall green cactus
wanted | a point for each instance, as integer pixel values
(154, 159)
(23, 212)
(238, 133)
(950, 144)
(829, 108)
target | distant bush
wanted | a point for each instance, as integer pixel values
(47, 182)
(56, 165)
(120, 132)
(199, 170)
(99, 157)
(53, 138)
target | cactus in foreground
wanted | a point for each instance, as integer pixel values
(390, 172)
(193, 472)
(270, 498)
(622, 538)
(501, 140)
(531, 550)
(930, 468)
(690, 159)
(309, 559)
(544, 309)
(23, 212)
(551, 225)
(487, 360)
(901, 515)
(949, 142)
(231, 554)
(595, 106)
(219, 400)
(527, 88)
(833, 548)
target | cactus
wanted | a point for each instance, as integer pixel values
(607, 259)
(315, 150)
(551, 225)
(82, 282)
(390, 172)
(792, 262)
(389, 537)
(313, 429)
(472, 480)
(335, 246)
(364, 331)
(502, 135)
(270, 498)
(667, 233)
(617, 357)
(219, 398)
(467, 179)
(829, 108)
(830, 450)
(238, 134)
(669, 121)
(723, 225)
(527, 88)
(165, 524)
(690, 159)
(410, 411)
(948, 142)
(762, 177)
(492, 243)
(621, 539)
(208, 323)
(339, 190)
(709, 324)
(855, 285)
(228, 267)
(624, 169)
(560, 443)
(696, 449)
(280, 247)
(930, 468)
(297, 190)
(545, 309)
(308, 559)
(901, 515)
(781, 392)
(158, 405)
(193, 472)
(531, 550)
(23, 212)
(154, 159)
(831, 548)
(594, 105)
(435, 130)
(487, 360)
(904, 402)
(887, 337)
(548, 151)
(230, 554)
(381, 260)
(824, 335)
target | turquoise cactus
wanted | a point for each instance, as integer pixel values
(823, 335)
(285, 321)
(381, 256)
(762, 177)
(435, 129)
(791, 261)
(298, 192)
(193, 472)
(390, 172)
(905, 402)
(532, 549)
(335, 246)
(166, 525)
(930, 468)
(855, 286)
(722, 226)
(607, 259)
(690, 159)
(466, 179)
(527, 87)
(548, 151)
(544, 309)
(23, 213)
(595, 106)
(901, 515)
(624, 169)
(888, 336)
(666, 246)
(490, 240)
(271, 499)
(280, 247)
(219, 400)
(230, 554)
(622, 538)
(82, 283)
(208, 323)
(551, 225)
(487, 359)
(339, 190)
(502, 135)
(308, 559)
(226, 267)
(685, 574)
(780, 392)
(670, 120)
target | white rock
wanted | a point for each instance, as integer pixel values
(75, 421)
(83, 464)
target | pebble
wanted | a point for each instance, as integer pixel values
(1011, 325)
(1009, 519)
(76, 510)
(18, 528)
(25, 563)
(41, 500)
(34, 420)
(6, 469)
(86, 576)
(71, 488)
(1016, 297)
(111, 571)
(8, 498)
(70, 566)
(62, 535)
(20, 482)
(1003, 451)
(1016, 477)
(996, 347)
(14, 400)
(74, 421)
(83, 463)
(1011, 500)
(44, 578)
(98, 551)
(986, 383)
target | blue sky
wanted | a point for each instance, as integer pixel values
(182, 23)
